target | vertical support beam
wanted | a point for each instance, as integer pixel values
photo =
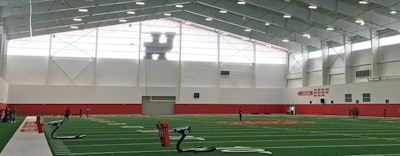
(375, 52)
(3, 51)
(254, 65)
(325, 63)
(305, 67)
(95, 57)
(139, 56)
(347, 50)
(49, 58)
(287, 68)
(219, 58)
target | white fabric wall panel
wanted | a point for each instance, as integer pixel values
(71, 71)
(241, 76)
(361, 57)
(159, 73)
(315, 64)
(295, 83)
(315, 78)
(337, 79)
(200, 74)
(116, 72)
(3, 91)
(270, 76)
(26, 70)
(252, 96)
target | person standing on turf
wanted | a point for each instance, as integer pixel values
(384, 112)
(13, 114)
(240, 113)
(87, 112)
(80, 112)
(67, 113)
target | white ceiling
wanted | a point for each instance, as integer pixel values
(20, 18)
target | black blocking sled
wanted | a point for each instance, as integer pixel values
(164, 138)
(58, 124)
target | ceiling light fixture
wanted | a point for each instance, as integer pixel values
(209, 19)
(247, 30)
(363, 2)
(130, 12)
(179, 6)
(287, 16)
(77, 19)
(167, 14)
(83, 10)
(267, 23)
(312, 7)
(122, 20)
(393, 12)
(360, 21)
(140, 3)
(223, 11)
(188, 23)
(74, 27)
(330, 28)
(307, 35)
(285, 40)
(241, 2)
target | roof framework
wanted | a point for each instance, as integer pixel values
(306, 27)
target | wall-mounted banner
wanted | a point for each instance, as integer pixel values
(305, 93)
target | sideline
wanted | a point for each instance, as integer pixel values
(27, 141)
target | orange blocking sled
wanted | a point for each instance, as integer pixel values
(163, 132)
(39, 124)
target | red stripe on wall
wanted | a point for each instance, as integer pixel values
(393, 110)
(228, 108)
(59, 109)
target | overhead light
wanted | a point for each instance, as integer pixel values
(74, 27)
(312, 7)
(363, 2)
(223, 11)
(360, 21)
(77, 19)
(241, 2)
(267, 23)
(122, 20)
(209, 19)
(179, 6)
(167, 14)
(188, 23)
(140, 3)
(247, 30)
(225, 33)
(287, 16)
(307, 35)
(130, 12)
(83, 10)
(393, 12)
(285, 40)
(330, 28)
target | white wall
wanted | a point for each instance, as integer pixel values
(3, 91)
(85, 80)
(379, 90)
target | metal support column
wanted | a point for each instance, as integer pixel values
(374, 51)
(325, 63)
(305, 67)
(347, 50)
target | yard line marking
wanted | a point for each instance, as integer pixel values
(222, 141)
(118, 152)
(131, 127)
(373, 155)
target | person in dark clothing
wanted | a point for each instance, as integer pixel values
(5, 118)
(80, 112)
(13, 114)
(67, 113)
(240, 113)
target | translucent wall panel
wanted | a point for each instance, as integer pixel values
(32, 46)
(236, 50)
(199, 44)
(119, 41)
(80, 43)
(269, 55)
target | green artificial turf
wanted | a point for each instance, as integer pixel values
(7, 130)
(327, 136)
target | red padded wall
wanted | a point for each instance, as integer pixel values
(227, 108)
(59, 109)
